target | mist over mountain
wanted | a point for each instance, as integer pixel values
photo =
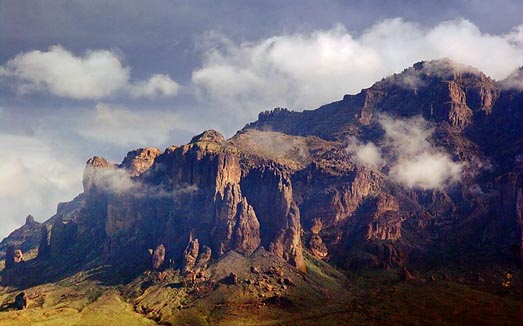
(413, 185)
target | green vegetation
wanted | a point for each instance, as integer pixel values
(322, 296)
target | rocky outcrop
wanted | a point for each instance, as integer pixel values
(190, 255)
(63, 237)
(316, 244)
(386, 222)
(27, 237)
(269, 190)
(204, 257)
(138, 161)
(96, 170)
(317, 247)
(158, 257)
(386, 227)
(459, 113)
(247, 235)
(44, 249)
(21, 301)
(236, 225)
(13, 257)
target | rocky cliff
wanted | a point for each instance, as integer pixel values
(422, 165)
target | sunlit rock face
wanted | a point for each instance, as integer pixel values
(417, 165)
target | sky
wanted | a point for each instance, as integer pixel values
(85, 78)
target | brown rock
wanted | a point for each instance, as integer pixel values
(247, 235)
(317, 247)
(43, 248)
(317, 225)
(204, 257)
(13, 256)
(190, 255)
(94, 170)
(140, 160)
(232, 278)
(158, 257)
(459, 113)
(288, 281)
(21, 301)
(406, 275)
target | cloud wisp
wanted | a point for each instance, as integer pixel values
(117, 181)
(122, 126)
(367, 154)
(95, 75)
(406, 151)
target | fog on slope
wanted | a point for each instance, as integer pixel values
(410, 157)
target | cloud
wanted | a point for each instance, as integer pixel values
(306, 70)
(514, 80)
(34, 178)
(124, 127)
(157, 86)
(119, 181)
(95, 75)
(365, 154)
(408, 137)
(414, 161)
(406, 154)
(426, 171)
(111, 180)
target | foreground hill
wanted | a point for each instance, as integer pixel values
(410, 189)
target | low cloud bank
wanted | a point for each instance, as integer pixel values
(118, 181)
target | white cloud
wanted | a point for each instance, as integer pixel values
(157, 86)
(112, 180)
(34, 178)
(95, 75)
(426, 171)
(408, 137)
(414, 161)
(365, 154)
(122, 126)
(514, 80)
(407, 155)
(307, 70)
(119, 181)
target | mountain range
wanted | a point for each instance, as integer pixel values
(406, 196)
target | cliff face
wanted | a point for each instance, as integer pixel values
(417, 165)
(203, 194)
(24, 238)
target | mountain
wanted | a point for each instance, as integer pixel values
(301, 215)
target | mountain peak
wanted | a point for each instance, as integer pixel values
(423, 73)
(29, 220)
(209, 135)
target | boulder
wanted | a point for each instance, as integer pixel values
(21, 301)
(190, 255)
(13, 257)
(158, 257)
